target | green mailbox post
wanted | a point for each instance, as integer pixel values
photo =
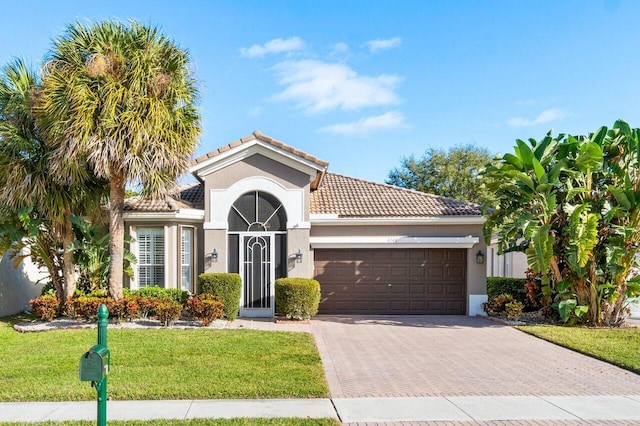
(94, 365)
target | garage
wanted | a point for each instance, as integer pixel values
(430, 281)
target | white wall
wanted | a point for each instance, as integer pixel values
(17, 285)
(509, 265)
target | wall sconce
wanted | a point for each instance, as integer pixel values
(299, 256)
(214, 255)
(479, 257)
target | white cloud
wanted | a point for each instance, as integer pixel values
(340, 47)
(317, 86)
(277, 45)
(545, 116)
(388, 120)
(376, 45)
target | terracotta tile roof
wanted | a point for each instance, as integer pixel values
(352, 197)
(188, 197)
(193, 195)
(258, 135)
(345, 196)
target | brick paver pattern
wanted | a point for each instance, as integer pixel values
(454, 356)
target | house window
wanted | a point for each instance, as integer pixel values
(186, 259)
(150, 256)
(256, 212)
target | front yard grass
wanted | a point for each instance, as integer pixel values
(196, 422)
(162, 364)
(620, 347)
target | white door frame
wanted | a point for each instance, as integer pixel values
(258, 312)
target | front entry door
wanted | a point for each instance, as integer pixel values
(258, 274)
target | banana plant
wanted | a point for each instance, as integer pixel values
(572, 204)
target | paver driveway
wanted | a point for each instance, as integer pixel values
(367, 356)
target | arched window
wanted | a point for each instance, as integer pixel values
(257, 211)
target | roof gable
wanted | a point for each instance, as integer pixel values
(258, 143)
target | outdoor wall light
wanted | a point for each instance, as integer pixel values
(480, 257)
(299, 256)
(214, 255)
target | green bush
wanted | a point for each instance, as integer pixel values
(227, 287)
(45, 307)
(503, 305)
(206, 307)
(502, 285)
(297, 298)
(168, 311)
(175, 294)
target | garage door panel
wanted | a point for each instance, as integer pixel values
(401, 281)
(455, 272)
(456, 255)
(417, 289)
(435, 272)
(416, 272)
(398, 288)
(435, 289)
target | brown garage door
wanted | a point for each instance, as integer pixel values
(399, 281)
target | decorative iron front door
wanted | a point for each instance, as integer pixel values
(258, 274)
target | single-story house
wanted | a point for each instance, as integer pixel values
(267, 210)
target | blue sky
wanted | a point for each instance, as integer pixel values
(363, 83)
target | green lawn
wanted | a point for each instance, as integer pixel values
(620, 347)
(196, 422)
(162, 364)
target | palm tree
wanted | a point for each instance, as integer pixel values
(121, 98)
(25, 173)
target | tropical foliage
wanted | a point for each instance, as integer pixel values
(91, 255)
(37, 204)
(120, 98)
(572, 204)
(24, 235)
(452, 173)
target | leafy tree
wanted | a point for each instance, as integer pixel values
(23, 234)
(452, 173)
(572, 204)
(91, 254)
(121, 98)
(27, 180)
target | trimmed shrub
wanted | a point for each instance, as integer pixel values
(226, 286)
(503, 305)
(502, 285)
(87, 306)
(175, 294)
(45, 307)
(206, 307)
(297, 298)
(130, 309)
(146, 306)
(168, 311)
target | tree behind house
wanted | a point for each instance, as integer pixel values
(452, 173)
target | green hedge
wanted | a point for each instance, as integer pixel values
(502, 285)
(297, 298)
(175, 294)
(227, 287)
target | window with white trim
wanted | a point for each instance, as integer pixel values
(150, 243)
(186, 258)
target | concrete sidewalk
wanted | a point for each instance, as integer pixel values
(463, 409)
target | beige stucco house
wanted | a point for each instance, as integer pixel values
(266, 210)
